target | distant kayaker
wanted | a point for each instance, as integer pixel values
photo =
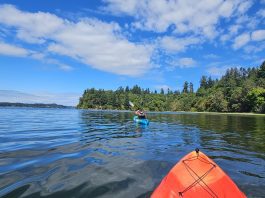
(141, 114)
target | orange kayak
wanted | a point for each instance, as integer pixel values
(195, 175)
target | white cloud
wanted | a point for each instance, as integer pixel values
(103, 47)
(95, 43)
(199, 17)
(225, 37)
(173, 62)
(258, 47)
(32, 27)
(244, 6)
(164, 87)
(173, 44)
(217, 71)
(261, 13)
(211, 56)
(258, 35)
(233, 29)
(245, 38)
(186, 63)
(241, 40)
(61, 66)
(12, 50)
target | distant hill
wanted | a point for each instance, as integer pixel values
(36, 105)
(13, 96)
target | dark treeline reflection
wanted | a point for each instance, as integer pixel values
(234, 129)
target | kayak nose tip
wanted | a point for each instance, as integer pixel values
(197, 150)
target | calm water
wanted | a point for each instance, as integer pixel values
(79, 153)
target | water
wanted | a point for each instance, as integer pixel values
(79, 153)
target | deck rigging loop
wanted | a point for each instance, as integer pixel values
(198, 179)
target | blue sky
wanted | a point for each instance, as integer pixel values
(67, 46)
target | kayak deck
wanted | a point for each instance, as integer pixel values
(195, 175)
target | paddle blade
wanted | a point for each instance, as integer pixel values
(131, 104)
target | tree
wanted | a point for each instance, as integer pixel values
(126, 102)
(239, 90)
(185, 87)
(191, 87)
(217, 103)
(209, 82)
(256, 99)
(203, 82)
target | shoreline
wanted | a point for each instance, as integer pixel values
(182, 112)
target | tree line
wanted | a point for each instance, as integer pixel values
(35, 105)
(238, 90)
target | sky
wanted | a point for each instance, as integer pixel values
(61, 47)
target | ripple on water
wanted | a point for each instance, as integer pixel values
(79, 153)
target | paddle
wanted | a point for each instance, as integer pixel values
(131, 104)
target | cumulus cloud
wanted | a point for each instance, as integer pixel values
(102, 46)
(95, 43)
(12, 50)
(173, 62)
(241, 40)
(211, 56)
(186, 62)
(31, 27)
(244, 6)
(164, 87)
(258, 35)
(261, 13)
(200, 17)
(217, 71)
(173, 44)
(245, 38)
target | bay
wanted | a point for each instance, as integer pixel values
(83, 153)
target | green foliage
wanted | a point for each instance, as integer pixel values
(239, 90)
(256, 99)
(216, 102)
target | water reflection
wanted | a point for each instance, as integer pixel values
(80, 153)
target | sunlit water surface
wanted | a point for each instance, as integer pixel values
(80, 153)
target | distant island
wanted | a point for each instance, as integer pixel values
(35, 105)
(238, 90)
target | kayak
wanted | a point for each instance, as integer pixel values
(195, 175)
(140, 121)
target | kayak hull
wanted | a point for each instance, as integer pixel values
(195, 175)
(141, 121)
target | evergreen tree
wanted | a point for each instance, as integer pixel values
(239, 90)
(191, 87)
(126, 102)
(185, 87)
(203, 82)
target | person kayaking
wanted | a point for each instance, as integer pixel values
(141, 114)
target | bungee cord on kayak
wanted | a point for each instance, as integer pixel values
(196, 175)
(199, 178)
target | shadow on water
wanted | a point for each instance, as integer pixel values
(80, 153)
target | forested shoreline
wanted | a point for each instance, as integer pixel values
(239, 90)
(33, 105)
